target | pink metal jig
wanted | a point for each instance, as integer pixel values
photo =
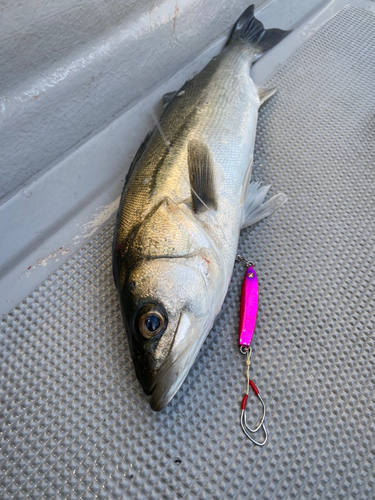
(249, 307)
(248, 317)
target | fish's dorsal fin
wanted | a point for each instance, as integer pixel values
(142, 148)
(168, 97)
(254, 209)
(201, 176)
(265, 94)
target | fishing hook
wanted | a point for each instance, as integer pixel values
(243, 407)
(245, 427)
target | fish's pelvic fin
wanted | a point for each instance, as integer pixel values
(249, 29)
(265, 94)
(254, 209)
(201, 176)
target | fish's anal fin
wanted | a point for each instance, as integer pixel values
(201, 176)
(265, 94)
(254, 209)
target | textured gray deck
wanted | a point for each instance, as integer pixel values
(74, 420)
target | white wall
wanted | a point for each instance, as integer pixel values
(67, 68)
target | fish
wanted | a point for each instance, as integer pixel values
(187, 195)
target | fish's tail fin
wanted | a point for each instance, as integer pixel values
(249, 29)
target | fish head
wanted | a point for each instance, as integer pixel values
(167, 310)
(169, 286)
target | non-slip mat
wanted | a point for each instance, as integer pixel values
(74, 420)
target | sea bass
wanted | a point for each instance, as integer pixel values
(186, 197)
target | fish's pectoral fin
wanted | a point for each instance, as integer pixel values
(168, 97)
(201, 176)
(254, 209)
(265, 94)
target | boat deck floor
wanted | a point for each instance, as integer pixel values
(74, 420)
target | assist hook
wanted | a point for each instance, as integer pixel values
(244, 426)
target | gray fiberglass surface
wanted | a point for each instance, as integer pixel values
(74, 420)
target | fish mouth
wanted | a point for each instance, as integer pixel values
(187, 342)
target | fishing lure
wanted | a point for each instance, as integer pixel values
(248, 316)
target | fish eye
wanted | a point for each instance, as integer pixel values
(150, 321)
